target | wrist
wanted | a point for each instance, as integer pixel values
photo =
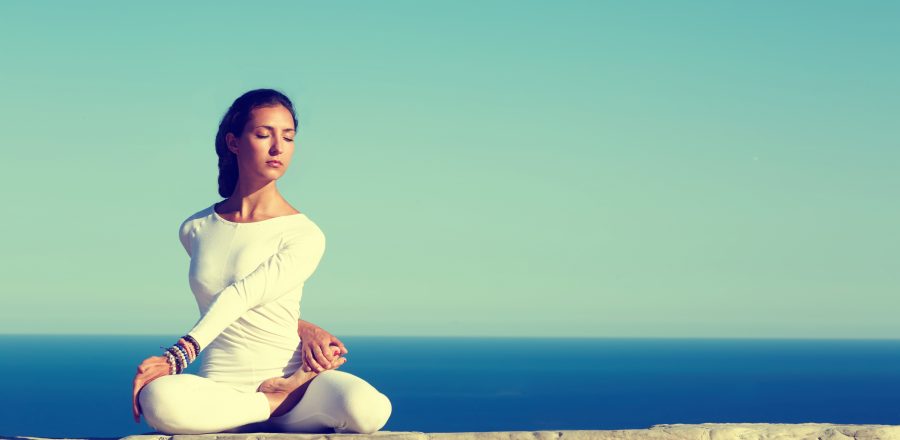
(305, 327)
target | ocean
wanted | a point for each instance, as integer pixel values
(80, 385)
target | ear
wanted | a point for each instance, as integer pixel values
(231, 143)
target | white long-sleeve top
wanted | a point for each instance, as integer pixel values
(248, 280)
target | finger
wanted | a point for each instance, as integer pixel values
(340, 344)
(305, 364)
(328, 352)
(339, 362)
(308, 358)
(325, 353)
(150, 362)
(134, 408)
(146, 378)
(315, 365)
(135, 404)
(321, 358)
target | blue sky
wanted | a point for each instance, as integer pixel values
(503, 168)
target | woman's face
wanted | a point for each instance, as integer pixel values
(268, 136)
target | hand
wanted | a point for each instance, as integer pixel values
(336, 361)
(151, 368)
(320, 350)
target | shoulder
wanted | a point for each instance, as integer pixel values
(192, 220)
(193, 224)
(304, 230)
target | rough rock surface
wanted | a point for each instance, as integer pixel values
(705, 431)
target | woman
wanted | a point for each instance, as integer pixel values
(250, 256)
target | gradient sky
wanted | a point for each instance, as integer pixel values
(500, 168)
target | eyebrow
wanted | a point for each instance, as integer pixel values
(273, 128)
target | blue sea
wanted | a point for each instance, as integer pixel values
(80, 386)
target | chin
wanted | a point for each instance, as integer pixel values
(271, 175)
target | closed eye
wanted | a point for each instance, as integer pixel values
(264, 137)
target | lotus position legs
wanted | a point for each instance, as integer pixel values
(307, 402)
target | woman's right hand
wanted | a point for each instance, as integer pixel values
(151, 368)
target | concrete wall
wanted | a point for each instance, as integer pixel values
(705, 431)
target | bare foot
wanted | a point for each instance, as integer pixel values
(279, 385)
(284, 392)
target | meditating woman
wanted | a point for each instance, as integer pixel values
(263, 368)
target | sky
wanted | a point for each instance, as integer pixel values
(504, 168)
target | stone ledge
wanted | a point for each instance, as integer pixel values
(704, 431)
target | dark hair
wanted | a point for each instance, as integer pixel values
(233, 122)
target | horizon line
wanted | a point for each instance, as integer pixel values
(831, 338)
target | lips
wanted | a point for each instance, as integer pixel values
(275, 161)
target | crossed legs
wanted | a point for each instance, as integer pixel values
(335, 401)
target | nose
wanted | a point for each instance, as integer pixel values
(278, 146)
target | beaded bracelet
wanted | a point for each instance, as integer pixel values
(184, 352)
(171, 363)
(183, 355)
(193, 342)
(192, 351)
(178, 355)
(179, 364)
(171, 360)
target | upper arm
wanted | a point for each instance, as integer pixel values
(295, 261)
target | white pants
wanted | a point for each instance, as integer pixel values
(334, 401)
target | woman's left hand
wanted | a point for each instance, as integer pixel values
(318, 355)
(151, 368)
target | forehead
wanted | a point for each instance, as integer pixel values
(276, 116)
